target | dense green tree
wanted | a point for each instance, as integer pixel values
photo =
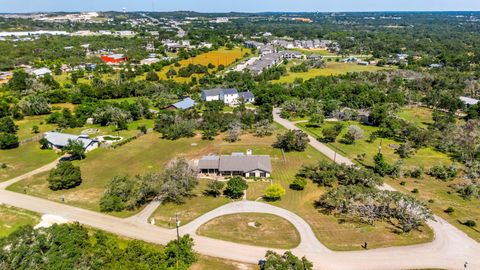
(236, 187)
(292, 140)
(64, 176)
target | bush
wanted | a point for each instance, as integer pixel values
(235, 187)
(443, 172)
(64, 176)
(274, 192)
(415, 190)
(449, 210)
(111, 204)
(215, 188)
(299, 183)
(470, 223)
(8, 141)
(416, 173)
(330, 133)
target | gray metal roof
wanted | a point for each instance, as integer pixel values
(186, 103)
(219, 91)
(229, 91)
(246, 95)
(236, 162)
(209, 162)
(62, 139)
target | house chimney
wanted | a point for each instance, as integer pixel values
(249, 152)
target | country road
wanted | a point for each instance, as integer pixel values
(450, 249)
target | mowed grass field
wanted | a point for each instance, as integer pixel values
(420, 116)
(23, 159)
(193, 208)
(424, 157)
(26, 124)
(148, 153)
(444, 196)
(222, 56)
(12, 218)
(253, 229)
(332, 69)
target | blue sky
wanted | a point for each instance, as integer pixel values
(239, 5)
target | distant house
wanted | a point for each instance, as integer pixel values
(184, 104)
(236, 164)
(229, 96)
(247, 97)
(292, 55)
(314, 57)
(60, 140)
(40, 72)
(363, 63)
(149, 61)
(113, 58)
(469, 101)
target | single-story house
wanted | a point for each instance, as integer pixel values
(59, 140)
(149, 61)
(469, 101)
(236, 164)
(184, 104)
(40, 72)
(292, 55)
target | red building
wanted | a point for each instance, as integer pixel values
(114, 58)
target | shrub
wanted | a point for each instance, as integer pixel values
(235, 187)
(443, 172)
(330, 133)
(470, 223)
(8, 141)
(416, 173)
(215, 188)
(64, 176)
(274, 192)
(415, 190)
(449, 210)
(299, 183)
(403, 183)
(111, 204)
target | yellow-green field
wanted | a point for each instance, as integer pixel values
(332, 69)
(253, 229)
(222, 56)
(12, 218)
(210, 263)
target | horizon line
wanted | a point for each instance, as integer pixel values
(244, 12)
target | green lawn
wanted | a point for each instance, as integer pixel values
(146, 154)
(332, 69)
(444, 196)
(425, 157)
(12, 218)
(420, 116)
(111, 130)
(25, 126)
(193, 208)
(24, 159)
(252, 229)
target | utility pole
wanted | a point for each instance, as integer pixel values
(177, 223)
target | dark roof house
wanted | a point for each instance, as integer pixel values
(246, 165)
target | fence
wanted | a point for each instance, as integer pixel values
(33, 139)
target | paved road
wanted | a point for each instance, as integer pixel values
(328, 152)
(450, 249)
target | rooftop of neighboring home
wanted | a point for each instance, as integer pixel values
(40, 71)
(469, 101)
(62, 139)
(246, 95)
(184, 104)
(219, 91)
(236, 162)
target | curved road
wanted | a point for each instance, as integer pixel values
(450, 249)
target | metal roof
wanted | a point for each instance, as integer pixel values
(246, 95)
(62, 139)
(186, 103)
(469, 101)
(236, 162)
(219, 91)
